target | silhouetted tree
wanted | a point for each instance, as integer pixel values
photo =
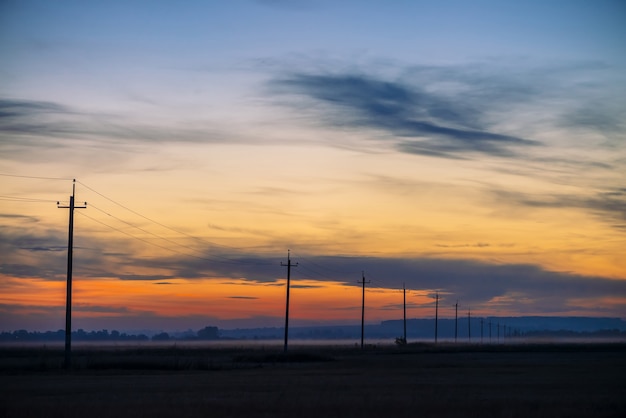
(164, 336)
(208, 333)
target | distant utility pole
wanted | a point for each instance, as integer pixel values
(289, 266)
(436, 315)
(489, 332)
(456, 319)
(68, 298)
(363, 282)
(481, 330)
(498, 333)
(469, 325)
(404, 305)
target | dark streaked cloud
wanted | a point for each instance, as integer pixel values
(243, 297)
(305, 286)
(31, 127)
(609, 204)
(15, 109)
(421, 121)
(19, 217)
(84, 307)
(520, 288)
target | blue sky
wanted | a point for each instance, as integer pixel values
(452, 138)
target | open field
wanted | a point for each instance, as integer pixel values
(569, 380)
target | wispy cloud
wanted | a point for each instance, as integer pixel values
(459, 111)
(29, 126)
(421, 121)
(18, 217)
(608, 205)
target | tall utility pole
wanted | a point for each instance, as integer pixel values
(456, 319)
(489, 332)
(404, 305)
(469, 325)
(289, 266)
(363, 282)
(68, 297)
(436, 315)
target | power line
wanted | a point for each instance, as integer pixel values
(130, 235)
(218, 257)
(326, 268)
(36, 177)
(150, 233)
(160, 246)
(316, 273)
(25, 199)
(152, 220)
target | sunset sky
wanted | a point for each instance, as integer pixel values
(472, 148)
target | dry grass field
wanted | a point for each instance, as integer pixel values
(413, 381)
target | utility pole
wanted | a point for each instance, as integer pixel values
(469, 325)
(489, 332)
(404, 304)
(288, 265)
(436, 315)
(498, 332)
(456, 319)
(363, 282)
(481, 330)
(68, 297)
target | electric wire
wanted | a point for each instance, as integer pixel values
(35, 177)
(315, 271)
(153, 243)
(153, 221)
(25, 199)
(310, 270)
(320, 266)
(152, 233)
(223, 258)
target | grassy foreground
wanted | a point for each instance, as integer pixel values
(412, 381)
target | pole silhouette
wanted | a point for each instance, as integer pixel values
(404, 305)
(456, 319)
(289, 266)
(436, 315)
(68, 296)
(469, 326)
(363, 282)
(481, 330)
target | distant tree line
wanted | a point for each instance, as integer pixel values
(602, 333)
(206, 333)
(213, 333)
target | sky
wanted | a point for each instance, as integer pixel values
(471, 149)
